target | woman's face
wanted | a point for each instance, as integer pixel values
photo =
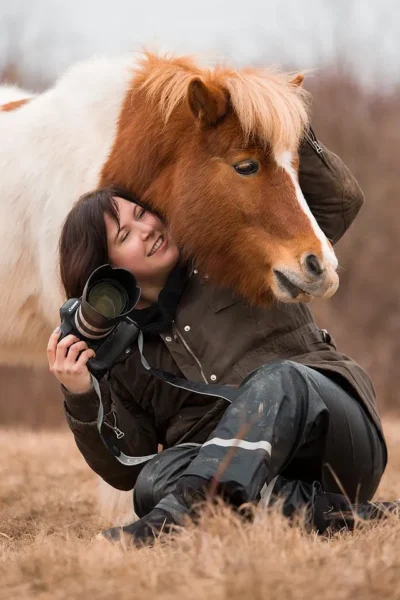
(141, 244)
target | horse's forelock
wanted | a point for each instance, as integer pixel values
(269, 107)
(267, 104)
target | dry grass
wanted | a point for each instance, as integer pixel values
(49, 515)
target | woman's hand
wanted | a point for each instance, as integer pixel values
(70, 369)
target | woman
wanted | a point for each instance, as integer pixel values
(303, 422)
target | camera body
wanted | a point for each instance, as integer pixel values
(101, 316)
(107, 349)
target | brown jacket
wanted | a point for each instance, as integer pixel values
(216, 337)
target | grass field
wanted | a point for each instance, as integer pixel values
(49, 515)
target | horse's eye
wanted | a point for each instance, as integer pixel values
(246, 167)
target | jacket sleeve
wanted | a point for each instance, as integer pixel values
(138, 427)
(329, 188)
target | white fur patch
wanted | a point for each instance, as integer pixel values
(328, 255)
(52, 150)
(11, 93)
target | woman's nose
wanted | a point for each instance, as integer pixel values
(146, 231)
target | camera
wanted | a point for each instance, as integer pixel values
(101, 316)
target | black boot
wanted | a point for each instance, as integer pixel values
(145, 530)
(169, 514)
(335, 511)
(325, 510)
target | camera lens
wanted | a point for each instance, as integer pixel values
(108, 298)
(110, 294)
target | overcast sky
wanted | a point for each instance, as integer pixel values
(42, 37)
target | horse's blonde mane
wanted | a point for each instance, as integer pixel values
(268, 105)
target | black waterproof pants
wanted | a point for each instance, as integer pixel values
(287, 420)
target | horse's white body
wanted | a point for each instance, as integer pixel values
(51, 151)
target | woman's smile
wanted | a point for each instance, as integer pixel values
(160, 245)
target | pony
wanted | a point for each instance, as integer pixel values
(214, 150)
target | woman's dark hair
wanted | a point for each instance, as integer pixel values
(83, 240)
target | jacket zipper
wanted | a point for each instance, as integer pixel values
(119, 434)
(317, 147)
(176, 330)
(314, 142)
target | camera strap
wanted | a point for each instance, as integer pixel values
(110, 444)
(207, 389)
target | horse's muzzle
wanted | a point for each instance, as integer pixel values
(290, 286)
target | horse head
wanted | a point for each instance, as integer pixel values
(216, 151)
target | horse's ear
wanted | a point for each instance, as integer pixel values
(298, 80)
(207, 103)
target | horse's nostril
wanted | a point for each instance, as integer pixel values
(313, 265)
